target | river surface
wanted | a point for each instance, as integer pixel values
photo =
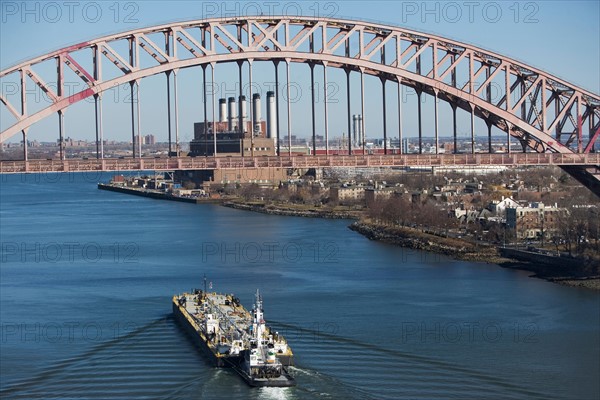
(87, 277)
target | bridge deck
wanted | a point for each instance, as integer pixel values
(360, 161)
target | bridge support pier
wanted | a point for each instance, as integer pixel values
(213, 94)
(289, 107)
(23, 113)
(472, 130)
(204, 99)
(508, 128)
(420, 120)
(176, 114)
(362, 108)
(168, 74)
(325, 101)
(277, 136)
(488, 97)
(348, 111)
(134, 61)
(400, 115)
(489, 126)
(436, 127)
(383, 80)
(312, 92)
(454, 106)
(454, 127)
(348, 108)
(241, 94)
(132, 118)
(250, 106)
(139, 118)
(25, 151)
(61, 134)
(99, 129)
(591, 131)
(97, 62)
(419, 92)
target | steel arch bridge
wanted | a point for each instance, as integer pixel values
(545, 113)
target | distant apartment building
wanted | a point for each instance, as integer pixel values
(345, 193)
(374, 194)
(148, 139)
(448, 147)
(69, 142)
(532, 221)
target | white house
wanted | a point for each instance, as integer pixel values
(499, 207)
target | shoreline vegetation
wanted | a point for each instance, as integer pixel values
(457, 248)
(466, 250)
(582, 274)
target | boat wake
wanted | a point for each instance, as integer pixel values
(399, 373)
(125, 367)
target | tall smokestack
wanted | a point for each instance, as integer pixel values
(222, 110)
(243, 109)
(355, 128)
(232, 114)
(271, 118)
(361, 132)
(242, 114)
(256, 111)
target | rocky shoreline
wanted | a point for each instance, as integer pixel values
(415, 239)
(275, 210)
(464, 250)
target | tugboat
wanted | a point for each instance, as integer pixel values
(234, 338)
(259, 365)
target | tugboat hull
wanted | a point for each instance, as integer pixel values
(285, 380)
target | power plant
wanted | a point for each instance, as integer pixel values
(234, 133)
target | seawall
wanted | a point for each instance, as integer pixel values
(542, 259)
(153, 194)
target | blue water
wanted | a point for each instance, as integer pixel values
(87, 276)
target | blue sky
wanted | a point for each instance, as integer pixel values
(560, 37)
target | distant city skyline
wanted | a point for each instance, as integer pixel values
(522, 30)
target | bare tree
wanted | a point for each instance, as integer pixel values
(250, 192)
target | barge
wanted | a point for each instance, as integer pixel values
(234, 338)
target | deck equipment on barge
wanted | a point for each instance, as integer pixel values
(234, 338)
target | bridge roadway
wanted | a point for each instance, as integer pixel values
(324, 161)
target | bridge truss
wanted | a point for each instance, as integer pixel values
(546, 114)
